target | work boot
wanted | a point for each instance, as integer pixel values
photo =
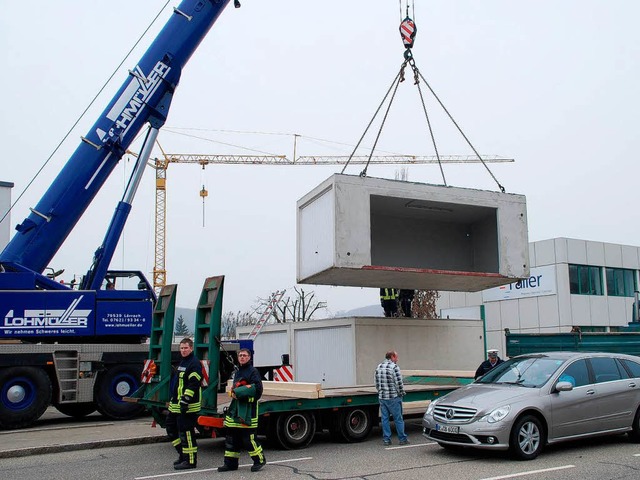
(257, 466)
(179, 460)
(226, 468)
(185, 465)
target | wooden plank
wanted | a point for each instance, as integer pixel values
(295, 386)
(291, 389)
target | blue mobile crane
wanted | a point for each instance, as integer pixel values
(52, 333)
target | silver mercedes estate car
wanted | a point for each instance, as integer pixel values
(533, 400)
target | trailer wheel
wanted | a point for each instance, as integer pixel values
(25, 393)
(353, 425)
(77, 410)
(295, 430)
(117, 382)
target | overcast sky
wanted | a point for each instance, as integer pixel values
(552, 84)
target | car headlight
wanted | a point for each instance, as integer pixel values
(497, 414)
(431, 406)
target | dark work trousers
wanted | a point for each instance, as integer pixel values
(181, 431)
(390, 308)
(405, 304)
(238, 439)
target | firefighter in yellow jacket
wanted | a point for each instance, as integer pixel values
(184, 407)
(241, 419)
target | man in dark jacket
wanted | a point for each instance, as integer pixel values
(184, 407)
(406, 299)
(488, 364)
(241, 419)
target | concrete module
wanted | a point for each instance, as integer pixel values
(373, 232)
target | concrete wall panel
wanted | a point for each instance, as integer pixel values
(630, 257)
(595, 253)
(613, 255)
(548, 311)
(528, 312)
(576, 251)
(598, 311)
(580, 310)
(561, 249)
(421, 344)
(509, 314)
(620, 311)
(316, 221)
(545, 253)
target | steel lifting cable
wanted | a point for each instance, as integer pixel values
(391, 87)
(417, 73)
(363, 173)
(55, 150)
(416, 81)
(408, 31)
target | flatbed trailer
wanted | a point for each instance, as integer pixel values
(290, 413)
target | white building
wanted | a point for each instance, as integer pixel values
(5, 204)
(592, 285)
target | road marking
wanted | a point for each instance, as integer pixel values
(200, 470)
(411, 445)
(530, 472)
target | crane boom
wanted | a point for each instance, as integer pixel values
(144, 97)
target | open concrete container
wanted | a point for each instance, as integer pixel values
(372, 232)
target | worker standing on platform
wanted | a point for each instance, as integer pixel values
(241, 420)
(184, 407)
(389, 301)
(406, 299)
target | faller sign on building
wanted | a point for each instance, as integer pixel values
(541, 282)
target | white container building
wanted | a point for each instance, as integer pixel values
(345, 351)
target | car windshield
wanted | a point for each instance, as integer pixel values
(525, 371)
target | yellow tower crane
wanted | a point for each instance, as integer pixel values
(161, 165)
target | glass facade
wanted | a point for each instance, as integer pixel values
(585, 280)
(621, 282)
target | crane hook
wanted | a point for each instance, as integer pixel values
(408, 31)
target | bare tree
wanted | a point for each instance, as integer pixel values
(300, 308)
(231, 320)
(424, 304)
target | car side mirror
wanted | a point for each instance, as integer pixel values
(564, 387)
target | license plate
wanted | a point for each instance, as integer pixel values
(447, 429)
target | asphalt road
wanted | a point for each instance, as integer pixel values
(610, 458)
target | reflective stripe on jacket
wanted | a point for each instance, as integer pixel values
(243, 411)
(388, 294)
(189, 379)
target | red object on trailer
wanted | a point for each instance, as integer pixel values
(283, 374)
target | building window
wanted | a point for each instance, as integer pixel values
(585, 280)
(620, 282)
